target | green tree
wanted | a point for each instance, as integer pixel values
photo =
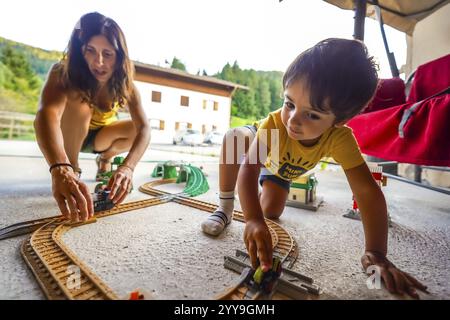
(263, 98)
(177, 64)
(226, 73)
(264, 94)
(6, 76)
(24, 76)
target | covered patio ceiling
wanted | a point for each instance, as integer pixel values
(399, 14)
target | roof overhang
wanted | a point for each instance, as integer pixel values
(179, 75)
(399, 14)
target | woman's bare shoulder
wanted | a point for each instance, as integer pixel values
(55, 91)
(54, 80)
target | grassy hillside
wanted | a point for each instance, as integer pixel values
(22, 71)
(239, 122)
(40, 59)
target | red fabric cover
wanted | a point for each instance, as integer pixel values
(427, 133)
(430, 78)
(390, 92)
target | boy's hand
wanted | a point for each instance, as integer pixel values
(395, 280)
(259, 243)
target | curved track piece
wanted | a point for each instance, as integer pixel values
(53, 263)
(25, 227)
(196, 183)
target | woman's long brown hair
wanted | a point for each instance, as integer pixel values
(75, 73)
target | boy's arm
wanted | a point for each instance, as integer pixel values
(256, 234)
(372, 206)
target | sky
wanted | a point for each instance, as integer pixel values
(203, 34)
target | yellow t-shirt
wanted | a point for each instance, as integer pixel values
(101, 118)
(294, 159)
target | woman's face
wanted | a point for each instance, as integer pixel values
(100, 57)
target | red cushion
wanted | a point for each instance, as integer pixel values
(426, 133)
(390, 92)
(430, 78)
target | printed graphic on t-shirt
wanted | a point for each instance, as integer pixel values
(290, 172)
(293, 168)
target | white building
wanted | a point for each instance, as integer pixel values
(173, 100)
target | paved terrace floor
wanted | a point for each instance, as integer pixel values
(162, 250)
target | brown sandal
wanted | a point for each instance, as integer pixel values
(101, 173)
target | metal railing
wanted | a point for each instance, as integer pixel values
(14, 124)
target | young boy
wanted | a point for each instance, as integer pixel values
(324, 87)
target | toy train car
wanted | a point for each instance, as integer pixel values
(102, 201)
(265, 281)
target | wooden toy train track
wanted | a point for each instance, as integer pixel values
(49, 259)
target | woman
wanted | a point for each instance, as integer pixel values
(78, 112)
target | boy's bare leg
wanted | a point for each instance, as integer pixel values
(235, 145)
(74, 127)
(272, 199)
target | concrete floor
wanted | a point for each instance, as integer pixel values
(162, 250)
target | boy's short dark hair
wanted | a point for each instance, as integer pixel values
(340, 75)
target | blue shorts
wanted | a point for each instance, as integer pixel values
(267, 175)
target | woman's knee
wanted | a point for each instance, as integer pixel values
(132, 134)
(76, 120)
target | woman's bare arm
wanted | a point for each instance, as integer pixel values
(47, 124)
(70, 193)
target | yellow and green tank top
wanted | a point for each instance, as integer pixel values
(102, 118)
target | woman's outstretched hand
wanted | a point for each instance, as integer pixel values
(120, 184)
(73, 196)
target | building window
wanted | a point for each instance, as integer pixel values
(216, 106)
(182, 125)
(294, 197)
(184, 101)
(156, 96)
(205, 102)
(157, 124)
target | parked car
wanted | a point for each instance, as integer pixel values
(214, 137)
(188, 136)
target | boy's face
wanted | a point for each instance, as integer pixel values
(302, 121)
